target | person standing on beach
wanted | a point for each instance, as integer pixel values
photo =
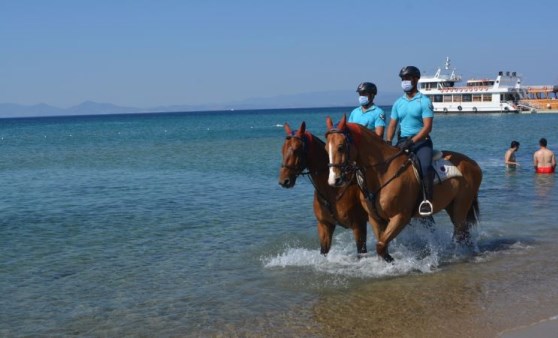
(544, 159)
(414, 113)
(368, 114)
(509, 158)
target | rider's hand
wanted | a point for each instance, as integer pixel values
(407, 145)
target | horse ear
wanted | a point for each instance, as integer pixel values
(342, 123)
(287, 129)
(329, 123)
(302, 128)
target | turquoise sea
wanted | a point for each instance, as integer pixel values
(174, 225)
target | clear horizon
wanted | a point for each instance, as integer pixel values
(62, 53)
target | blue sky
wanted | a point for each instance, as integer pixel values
(149, 53)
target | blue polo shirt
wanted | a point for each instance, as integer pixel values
(370, 118)
(410, 112)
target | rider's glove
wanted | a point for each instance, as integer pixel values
(407, 145)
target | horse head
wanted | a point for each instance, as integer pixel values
(341, 154)
(294, 155)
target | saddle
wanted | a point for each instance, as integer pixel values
(443, 168)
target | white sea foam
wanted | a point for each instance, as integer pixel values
(417, 249)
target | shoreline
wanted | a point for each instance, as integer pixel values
(510, 295)
(543, 328)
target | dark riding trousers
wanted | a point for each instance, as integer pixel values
(423, 151)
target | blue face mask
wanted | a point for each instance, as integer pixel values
(406, 85)
(363, 100)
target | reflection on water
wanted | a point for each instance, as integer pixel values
(544, 184)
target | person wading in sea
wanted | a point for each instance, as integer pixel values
(544, 159)
(509, 158)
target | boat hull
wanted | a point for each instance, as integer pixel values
(473, 108)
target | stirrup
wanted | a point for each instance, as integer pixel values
(425, 208)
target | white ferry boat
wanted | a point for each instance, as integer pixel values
(499, 95)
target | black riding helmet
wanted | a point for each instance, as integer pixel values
(367, 88)
(409, 70)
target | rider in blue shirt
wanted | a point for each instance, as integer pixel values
(414, 113)
(368, 114)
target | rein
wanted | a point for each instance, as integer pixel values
(303, 170)
(360, 173)
(352, 166)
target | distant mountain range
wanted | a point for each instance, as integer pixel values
(305, 100)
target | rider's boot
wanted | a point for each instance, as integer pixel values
(425, 207)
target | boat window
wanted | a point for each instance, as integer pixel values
(486, 97)
(436, 98)
(457, 98)
(467, 97)
(477, 97)
(447, 98)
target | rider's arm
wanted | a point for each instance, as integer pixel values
(425, 131)
(427, 117)
(391, 130)
(379, 131)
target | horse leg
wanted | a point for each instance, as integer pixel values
(359, 233)
(394, 227)
(325, 233)
(457, 211)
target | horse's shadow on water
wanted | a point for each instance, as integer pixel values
(424, 239)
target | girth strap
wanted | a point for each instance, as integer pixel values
(371, 196)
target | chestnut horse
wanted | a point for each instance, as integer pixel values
(392, 188)
(303, 151)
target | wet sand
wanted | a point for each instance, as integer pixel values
(505, 296)
(546, 328)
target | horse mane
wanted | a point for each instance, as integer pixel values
(311, 138)
(316, 150)
(358, 131)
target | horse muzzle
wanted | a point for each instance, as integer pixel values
(287, 181)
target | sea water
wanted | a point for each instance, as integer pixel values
(175, 225)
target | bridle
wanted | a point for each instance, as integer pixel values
(347, 167)
(300, 168)
(303, 170)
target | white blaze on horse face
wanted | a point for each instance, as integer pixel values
(332, 175)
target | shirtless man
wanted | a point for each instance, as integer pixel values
(544, 159)
(509, 158)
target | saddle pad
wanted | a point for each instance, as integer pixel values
(444, 170)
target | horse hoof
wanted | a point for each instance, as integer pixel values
(387, 257)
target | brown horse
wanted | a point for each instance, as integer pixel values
(392, 188)
(303, 151)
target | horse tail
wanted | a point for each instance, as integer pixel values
(473, 213)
